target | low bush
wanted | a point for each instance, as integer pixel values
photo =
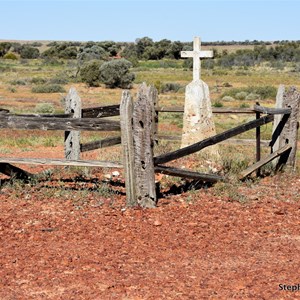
(264, 92)
(244, 105)
(59, 80)
(218, 103)
(10, 55)
(252, 96)
(44, 108)
(48, 88)
(18, 82)
(170, 87)
(227, 98)
(38, 80)
(241, 95)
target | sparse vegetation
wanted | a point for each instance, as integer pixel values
(48, 88)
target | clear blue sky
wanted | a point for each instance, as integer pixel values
(125, 20)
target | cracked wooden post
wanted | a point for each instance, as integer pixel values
(143, 133)
(126, 112)
(288, 98)
(72, 138)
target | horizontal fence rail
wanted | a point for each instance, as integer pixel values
(54, 123)
(213, 140)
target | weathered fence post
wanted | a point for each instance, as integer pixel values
(126, 112)
(143, 134)
(258, 150)
(137, 126)
(72, 138)
(288, 135)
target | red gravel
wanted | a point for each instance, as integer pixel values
(198, 245)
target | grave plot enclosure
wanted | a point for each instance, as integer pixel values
(138, 126)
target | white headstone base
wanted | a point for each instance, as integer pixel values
(198, 121)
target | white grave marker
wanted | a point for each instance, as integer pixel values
(198, 123)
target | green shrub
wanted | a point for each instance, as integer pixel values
(29, 52)
(115, 73)
(38, 80)
(252, 96)
(227, 98)
(10, 55)
(241, 96)
(218, 103)
(48, 88)
(59, 80)
(44, 108)
(18, 82)
(244, 105)
(264, 92)
(90, 73)
(170, 87)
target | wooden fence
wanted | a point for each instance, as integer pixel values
(139, 125)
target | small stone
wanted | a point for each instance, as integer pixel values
(107, 176)
(157, 223)
(115, 173)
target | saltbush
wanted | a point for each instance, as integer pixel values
(115, 73)
(90, 72)
(38, 80)
(44, 108)
(227, 98)
(170, 87)
(48, 88)
(252, 96)
(241, 95)
(18, 82)
(264, 92)
(10, 55)
(59, 80)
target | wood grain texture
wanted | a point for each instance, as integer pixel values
(212, 140)
(61, 162)
(143, 133)
(72, 138)
(126, 116)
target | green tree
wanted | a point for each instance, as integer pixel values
(90, 72)
(28, 52)
(116, 73)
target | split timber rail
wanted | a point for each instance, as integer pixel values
(138, 126)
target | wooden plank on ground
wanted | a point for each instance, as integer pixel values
(111, 141)
(187, 174)
(212, 140)
(66, 124)
(14, 172)
(61, 162)
(264, 161)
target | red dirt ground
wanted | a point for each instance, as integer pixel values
(197, 245)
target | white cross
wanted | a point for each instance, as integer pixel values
(197, 54)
